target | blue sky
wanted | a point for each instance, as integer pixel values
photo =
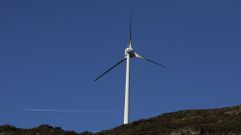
(51, 51)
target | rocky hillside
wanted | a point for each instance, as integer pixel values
(223, 121)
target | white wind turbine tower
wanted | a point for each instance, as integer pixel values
(129, 53)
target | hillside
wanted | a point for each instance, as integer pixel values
(223, 121)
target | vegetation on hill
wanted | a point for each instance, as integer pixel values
(224, 121)
(40, 130)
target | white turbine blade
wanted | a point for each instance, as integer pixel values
(139, 56)
(156, 63)
(130, 35)
(119, 62)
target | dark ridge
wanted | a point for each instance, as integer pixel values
(40, 130)
(222, 121)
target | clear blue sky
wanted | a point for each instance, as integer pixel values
(51, 51)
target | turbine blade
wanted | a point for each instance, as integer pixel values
(139, 56)
(119, 62)
(156, 63)
(161, 65)
(130, 35)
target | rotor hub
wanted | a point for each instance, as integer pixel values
(130, 52)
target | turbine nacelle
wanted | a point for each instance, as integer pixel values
(129, 51)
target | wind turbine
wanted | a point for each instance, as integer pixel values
(129, 54)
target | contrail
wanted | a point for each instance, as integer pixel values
(72, 111)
